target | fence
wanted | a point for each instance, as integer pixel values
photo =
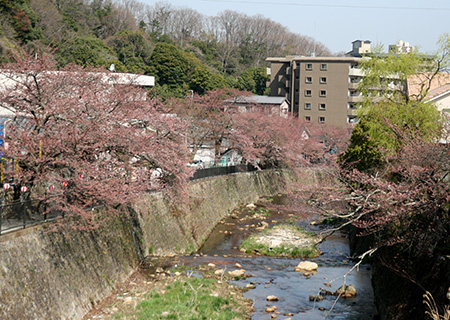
(220, 171)
(21, 214)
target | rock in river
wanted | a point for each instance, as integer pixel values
(307, 266)
(237, 273)
(272, 298)
(346, 291)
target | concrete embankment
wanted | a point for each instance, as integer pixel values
(61, 275)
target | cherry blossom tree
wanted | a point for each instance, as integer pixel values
(94, 140)
(267, 138)
(210, 118)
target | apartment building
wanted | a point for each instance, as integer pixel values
(401, 47)
(320, 89)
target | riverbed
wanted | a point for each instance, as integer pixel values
(276, 276)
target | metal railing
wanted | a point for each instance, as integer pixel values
(20, 214)
(220, 171)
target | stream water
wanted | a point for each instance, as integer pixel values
(276, 276)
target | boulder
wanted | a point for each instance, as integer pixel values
(251, 206)
(272, 298)
(237, 273)
(307, 266)
(271, 309)
(315, 297)
(346, 291)
(219, 272)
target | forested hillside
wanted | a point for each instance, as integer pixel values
(184, 49)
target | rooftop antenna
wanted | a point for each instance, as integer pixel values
(314, 39)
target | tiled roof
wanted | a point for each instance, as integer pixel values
(261, 100)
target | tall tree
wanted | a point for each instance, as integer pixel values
(169, 64)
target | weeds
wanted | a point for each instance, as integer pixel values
(189, 299)
(433, 311)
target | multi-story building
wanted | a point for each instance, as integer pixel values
(320, 89)
(360, 48)
(401, 47)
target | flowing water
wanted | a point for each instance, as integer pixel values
(276, 276)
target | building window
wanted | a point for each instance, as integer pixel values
(307, 118)
(322, 119)
(323, 79)
(352, 119)
(308, 79)
(308, 93)
(309, 66)
(323, 93)
(322, 106)
(307, 106)
(323, 66)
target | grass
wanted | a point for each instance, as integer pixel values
(264, 212)
(192, 299)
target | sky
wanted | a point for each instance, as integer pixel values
(337, 23)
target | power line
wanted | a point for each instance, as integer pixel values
(329, 5)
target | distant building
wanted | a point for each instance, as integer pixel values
(7, 81)
(400, 48)
(273, 105)
(439, 91)
(319, 89)
(360, 48)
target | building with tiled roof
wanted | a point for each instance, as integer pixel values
(438, 91)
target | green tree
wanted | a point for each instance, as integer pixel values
(381, 131)
(253, 80)
(85, 51)
(201, 78)
(134, 49)
(21, 18)
(390, 111)
(170, 65)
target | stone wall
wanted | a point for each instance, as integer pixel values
(48, 275)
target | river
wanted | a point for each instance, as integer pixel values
(276, 276)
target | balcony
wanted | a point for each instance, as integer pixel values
(354, 99)
(352, 85)
(355, 72)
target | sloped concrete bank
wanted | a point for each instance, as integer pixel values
(48, 275)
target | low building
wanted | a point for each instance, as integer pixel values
(8, 80)
(438, 91)
(273, 105)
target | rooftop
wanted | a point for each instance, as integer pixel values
(439, 84)
(312, 59)
(261, 99)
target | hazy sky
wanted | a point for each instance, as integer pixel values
(338, 23)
